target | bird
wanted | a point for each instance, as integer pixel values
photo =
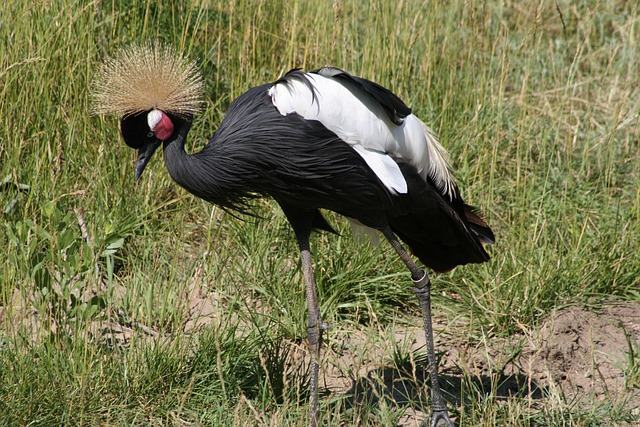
(312, 141)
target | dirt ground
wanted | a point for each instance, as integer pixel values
(578, 353)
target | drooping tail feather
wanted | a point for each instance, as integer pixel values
(442, 233)
(441, 255)
(479, 226)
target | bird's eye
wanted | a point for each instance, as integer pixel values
(150, 134)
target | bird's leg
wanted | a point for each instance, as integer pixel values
(315, 328)
(422, 289)
(439, 414)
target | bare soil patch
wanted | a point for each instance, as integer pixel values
(579, 353)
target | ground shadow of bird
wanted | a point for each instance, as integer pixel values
(404, 387)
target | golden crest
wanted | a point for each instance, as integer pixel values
(143, 77)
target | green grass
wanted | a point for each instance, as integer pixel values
(538, 104)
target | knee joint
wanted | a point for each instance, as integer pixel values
(421, 282)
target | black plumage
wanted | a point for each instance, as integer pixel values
(258, 152)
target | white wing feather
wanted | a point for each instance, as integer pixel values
(384, 167)
(359, 120)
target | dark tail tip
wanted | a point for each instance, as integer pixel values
(478, 226)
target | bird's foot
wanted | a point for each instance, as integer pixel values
(441, 419)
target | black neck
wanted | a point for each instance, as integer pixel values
(193, 172)
(205, 173)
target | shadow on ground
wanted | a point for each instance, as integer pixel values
(395, 386)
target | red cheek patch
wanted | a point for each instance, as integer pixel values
(164, 128)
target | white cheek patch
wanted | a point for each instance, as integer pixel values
(153, 118)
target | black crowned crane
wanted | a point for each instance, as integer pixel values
(310, 140)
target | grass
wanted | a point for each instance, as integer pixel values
(538, 104)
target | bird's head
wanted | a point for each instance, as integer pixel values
(145, 132)
(153, 89)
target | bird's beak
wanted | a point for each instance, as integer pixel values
(144, 155)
